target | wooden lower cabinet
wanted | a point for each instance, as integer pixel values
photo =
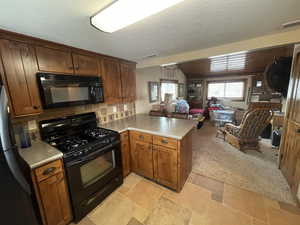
(142, 158)
(165, 166)
(125, 149)
(52, 194)
(167, 161)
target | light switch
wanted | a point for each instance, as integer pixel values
(125, 107)
(114, 109)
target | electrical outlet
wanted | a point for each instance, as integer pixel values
(32, 125)
(125, 107)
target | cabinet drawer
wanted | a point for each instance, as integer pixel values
(140, 136)
(48, 170)
(164, 141)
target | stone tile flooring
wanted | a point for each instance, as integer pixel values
(203, 201)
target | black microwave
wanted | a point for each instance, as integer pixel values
(59, 90)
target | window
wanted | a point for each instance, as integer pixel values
(234, 90)
(228, 62)
(169, 87)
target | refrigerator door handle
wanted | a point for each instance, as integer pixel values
(6, 146)
(4, 120)
(15, 169)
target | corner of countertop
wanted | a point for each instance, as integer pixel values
(39, 153)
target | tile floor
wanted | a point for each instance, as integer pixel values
(203, 201)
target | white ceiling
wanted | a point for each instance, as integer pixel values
(190, 25)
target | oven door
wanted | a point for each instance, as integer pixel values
(67, 90)
(91, 173)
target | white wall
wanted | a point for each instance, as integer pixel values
(236, 104)
(143, 76)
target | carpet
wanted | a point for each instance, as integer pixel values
(254, 171)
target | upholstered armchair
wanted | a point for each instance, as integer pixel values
(246, 135)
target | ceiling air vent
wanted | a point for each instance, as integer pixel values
(291, 24)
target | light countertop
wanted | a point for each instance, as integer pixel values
(39, 154)
(162, 126)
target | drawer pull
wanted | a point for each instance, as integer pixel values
(49, 170)
(164, 141)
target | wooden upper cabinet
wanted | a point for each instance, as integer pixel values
(128, 81)
(86, 65)
(111, 81)
(54, 60)
(19, 70)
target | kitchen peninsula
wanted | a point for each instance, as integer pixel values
(158, 148)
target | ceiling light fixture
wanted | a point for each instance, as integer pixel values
(168, 64)
(291, 24)
(121, 13)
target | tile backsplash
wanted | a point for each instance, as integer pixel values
(105, 114)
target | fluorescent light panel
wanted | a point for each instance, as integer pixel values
(122, 13)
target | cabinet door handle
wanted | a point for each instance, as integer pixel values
(164, 141)
(49, 170)
(35, 107)
(298, 131)
(142, 137)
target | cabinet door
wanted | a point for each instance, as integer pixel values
(165, 166)
(20, 69)
(125, 153)
(291, 153)
(128, 82)
(290, 144)
(111, 81)
(86, 65)
(55, 200)
(142, 158)
(54, 60)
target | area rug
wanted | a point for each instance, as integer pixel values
(254, 171)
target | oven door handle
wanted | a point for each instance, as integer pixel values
(92, 155)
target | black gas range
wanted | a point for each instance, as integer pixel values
(92, 158)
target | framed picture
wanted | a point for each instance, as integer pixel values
(181, 90)
(153, 90)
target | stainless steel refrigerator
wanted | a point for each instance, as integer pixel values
(17, 206)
